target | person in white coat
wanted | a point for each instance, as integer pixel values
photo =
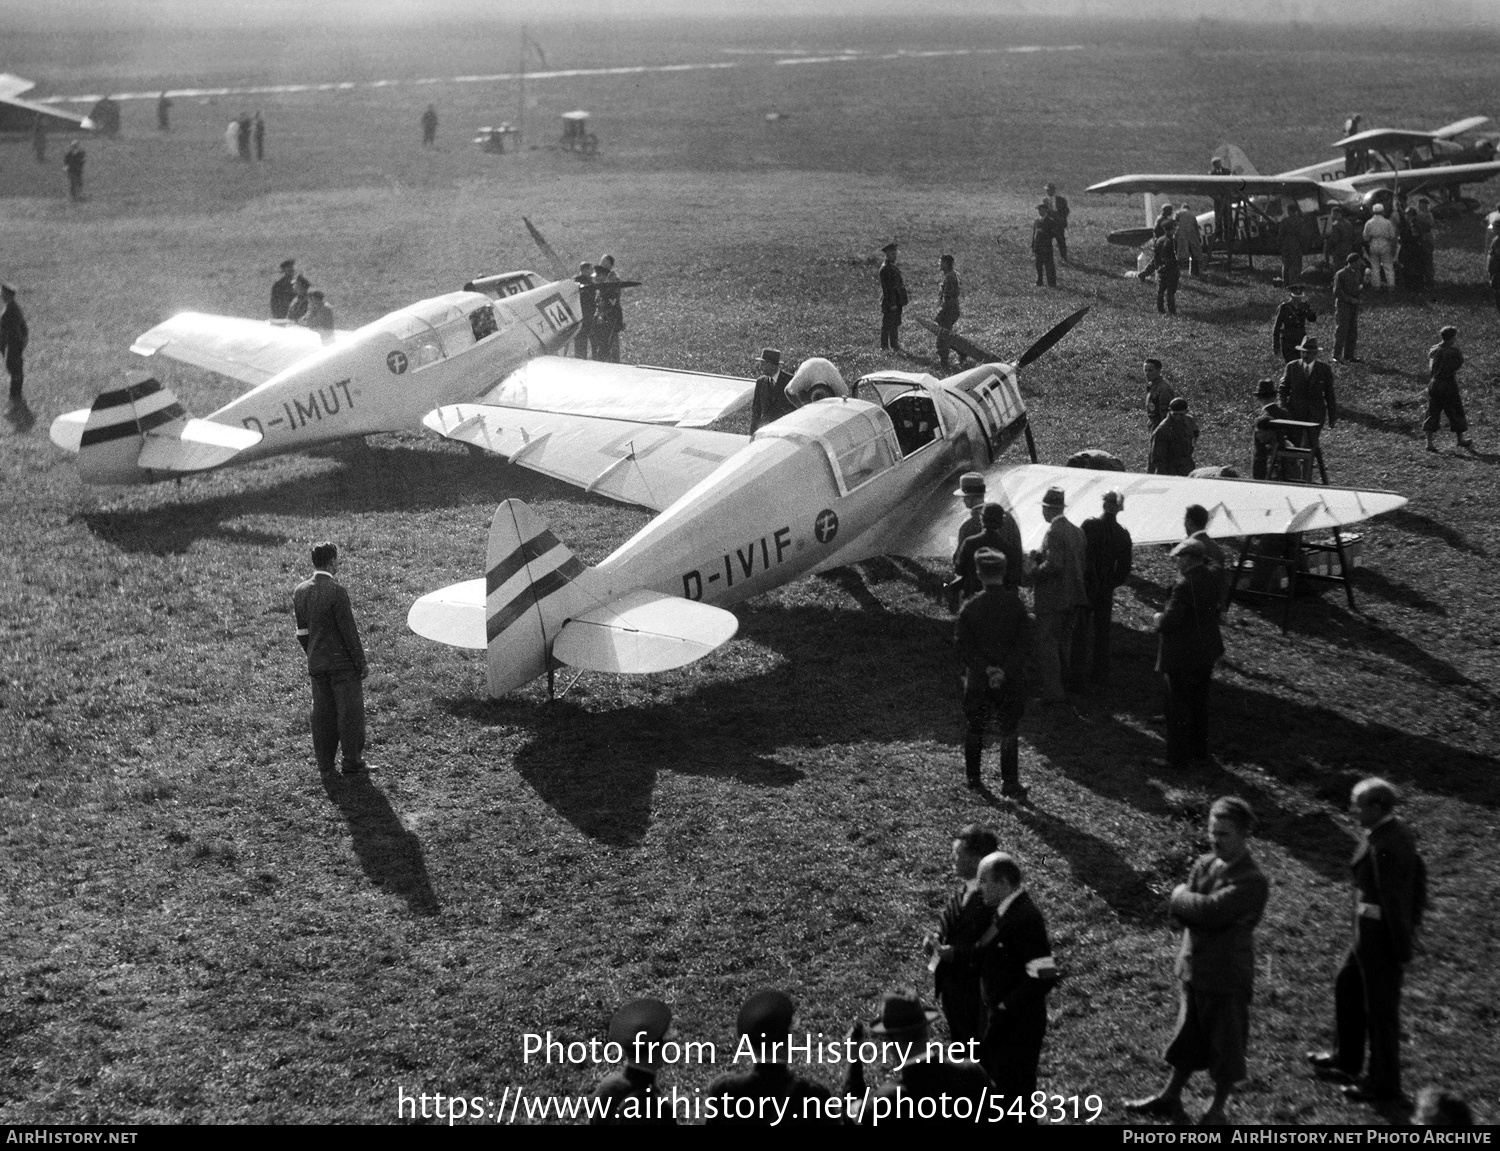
(1380, 241)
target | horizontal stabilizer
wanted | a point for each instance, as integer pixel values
(194, 446)
(453, 615)
(643, 631)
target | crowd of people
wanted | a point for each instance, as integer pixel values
(993, 970)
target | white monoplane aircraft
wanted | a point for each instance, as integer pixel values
(18, 116)
(1256, 204)
(835, 482)
(307, 388)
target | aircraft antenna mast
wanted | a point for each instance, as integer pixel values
(521, 109)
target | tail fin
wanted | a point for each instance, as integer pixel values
(1233, 157)
(533, 585)
(140, 433)
(538, 605)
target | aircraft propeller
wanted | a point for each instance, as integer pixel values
(1044, 345)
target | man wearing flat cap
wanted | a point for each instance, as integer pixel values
(892, 299)
(770, 402)
(1016, 973)
(284, 290)
(763, 1026)
(1189, 646)
(906, 1020)
(1060, 595)
(638, 1027)
(993, 637)
(1293, 315)
(1307, 391)
(1172, 443)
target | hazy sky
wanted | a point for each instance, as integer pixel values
(117, 13)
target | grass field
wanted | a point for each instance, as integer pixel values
(199, 930)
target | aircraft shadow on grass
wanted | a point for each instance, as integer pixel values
(367, 479)
(888, 676)
(1396, 425)
(390, 855)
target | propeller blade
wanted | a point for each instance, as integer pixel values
(560, 271)
(1044, 345)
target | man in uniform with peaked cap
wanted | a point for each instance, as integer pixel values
(765, 1021)
(993, 637)
(638, 1027)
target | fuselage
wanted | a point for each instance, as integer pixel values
(824, 486)
(390, 373)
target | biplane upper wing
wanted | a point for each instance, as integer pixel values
(635, 463)
(1416, 179)
(641, 394)
(1233, 186)
(17, 115)
(1383, 137)
(1153, 506)
(251, 351)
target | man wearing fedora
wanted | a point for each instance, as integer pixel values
(1307, 391)
(1292, 317)
(1016, 971)
(892, 299)
(1189, 646)
(907, 1021)
(770, 401)
(631, 1092)
(1061, 594)
(765, 1021)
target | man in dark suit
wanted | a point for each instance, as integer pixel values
(948, 311)
(892, 299)
(1043, 228)
(335, 663)
(1057, 207)
(1290, 327)
(1016, 973)
(770, 401)
(905, 1024)
(1307, 391)
(999, 531)
(993, 637)
(13, 336)
(1390, 887)
(1107, 561)
(588, 303)
(1060, 595)
(1348, 290)
(284, 290)
(1190, 644)
(1217, 908)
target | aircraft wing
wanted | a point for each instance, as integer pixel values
(251, 351)
(634, 463)
(1379, 138)
(1153, 506)
(1236, 187)
(1416, 179)
(17, 115)
(621, 392)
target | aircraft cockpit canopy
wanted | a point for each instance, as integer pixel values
(858, 439)
(442, 327)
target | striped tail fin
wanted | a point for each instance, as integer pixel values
(533, 584)
(140, 433)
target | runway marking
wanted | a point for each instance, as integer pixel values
(789, 57)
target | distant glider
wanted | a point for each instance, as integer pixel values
(836, 482)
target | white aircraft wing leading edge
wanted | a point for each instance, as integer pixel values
(1153, 506)
(621, 392)
(1437, 176)
(1182, 184)
(634, 463)
(251, 351)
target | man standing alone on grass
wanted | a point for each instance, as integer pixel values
(948, 312)
(993, 634)
(429, 126)
(1168, 272)
(73, 160)
(13, 336)
(1443, 395)
(1057, 208)
(335, 663)
(1217, 908)
(1348, 290)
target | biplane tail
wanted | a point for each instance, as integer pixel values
(538, 606)
(140, 433)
